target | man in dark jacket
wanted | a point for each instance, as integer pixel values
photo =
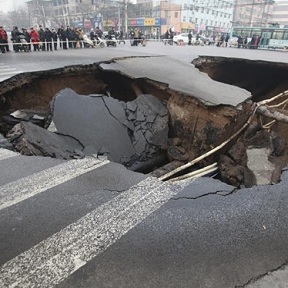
(41, 33)
(55, 38)
(62, 34)
(15, 38)
(48, 39)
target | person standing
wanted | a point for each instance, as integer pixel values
(70, 37)
(190, 38)
(48, 39)
(55, 38)
(35, 39)
(136, 36)
(15, 38)
(62, 34)
(171, 35)
(41, 34)
(4, 38)
(226, 40)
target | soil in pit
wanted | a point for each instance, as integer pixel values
(194, 128)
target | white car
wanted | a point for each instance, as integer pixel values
(183, 37)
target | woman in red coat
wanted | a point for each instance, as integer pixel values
(35, 39)
(3, 40)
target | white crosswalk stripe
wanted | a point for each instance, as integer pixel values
(54, 259)
(27, 187)
(7, 71)
(5, 154)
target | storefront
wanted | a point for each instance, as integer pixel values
(150, 27)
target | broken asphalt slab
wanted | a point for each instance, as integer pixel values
(127, 132)
(180, 76)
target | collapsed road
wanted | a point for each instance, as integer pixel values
(152, 124)
(196, 126)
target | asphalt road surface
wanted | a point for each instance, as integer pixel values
(92, 223)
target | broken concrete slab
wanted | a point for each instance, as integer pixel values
(182, 77)
(89, 120)
(258, 163)
(103, 121)
(30, 139)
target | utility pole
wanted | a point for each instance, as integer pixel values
(126, 16)
(119, 19)
(251, 14)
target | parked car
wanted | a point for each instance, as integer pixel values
(183, 37)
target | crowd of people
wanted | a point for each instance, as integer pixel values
(44, 39)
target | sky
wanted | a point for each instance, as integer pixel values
(10, 5)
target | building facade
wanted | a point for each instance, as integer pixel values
(252, 13)
(207, 17)
(280, 13)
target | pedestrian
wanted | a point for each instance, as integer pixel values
(35, 39)
(63, 38)
(136, 36)
(132, 37)
(171, 35)
(190, 38)
(48, 39)
(27, 38)
(41, 34)
(3, 40)
(70, 36)
(54, 38)
(227, 40)
(15, 38)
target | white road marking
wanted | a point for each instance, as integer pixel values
(6, 70)
(5, 153)
(36, 183)
(54, 259)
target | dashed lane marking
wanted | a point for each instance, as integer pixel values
(36, 183)
(55, 258)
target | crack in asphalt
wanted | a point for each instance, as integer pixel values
(207, 194)
(255, 279)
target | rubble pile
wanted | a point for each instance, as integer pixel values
(128, 133)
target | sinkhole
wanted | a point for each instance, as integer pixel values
(75, 111)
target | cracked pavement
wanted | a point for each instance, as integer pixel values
(195, 239)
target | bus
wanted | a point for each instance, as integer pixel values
(269, 37)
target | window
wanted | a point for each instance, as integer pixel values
(176, 15)
(184, 19)
(278, 34)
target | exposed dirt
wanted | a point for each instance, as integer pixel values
(194, 128)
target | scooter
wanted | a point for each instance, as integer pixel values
(24, 46)
(88, 41)
(111, 41)
(99, 42)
